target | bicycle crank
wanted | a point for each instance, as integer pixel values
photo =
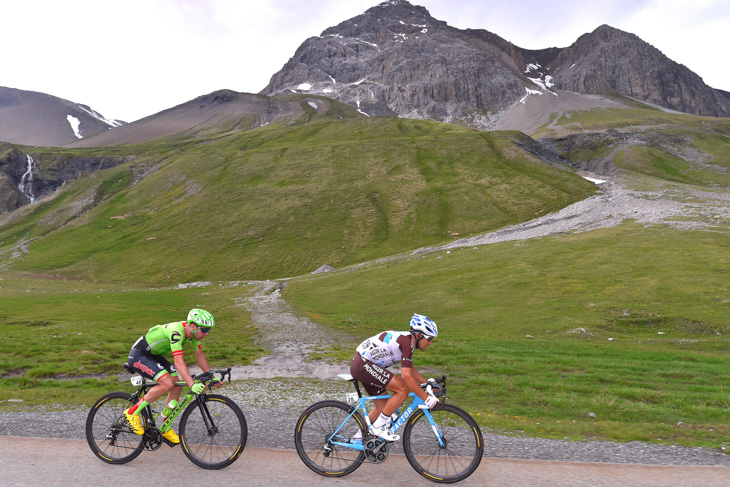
(376, 450)
(152, 439)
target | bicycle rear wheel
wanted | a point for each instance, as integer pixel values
(107, 431)
(213, 436)
(462, 450)
(314, 436)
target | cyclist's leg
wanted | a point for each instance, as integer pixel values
(154, 367)
(375, 412)
(400, 393)
(176, 390)
(375, 380)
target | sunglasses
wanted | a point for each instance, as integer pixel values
(204, 329)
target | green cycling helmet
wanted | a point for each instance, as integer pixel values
(201, 318)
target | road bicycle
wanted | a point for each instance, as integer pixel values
(212, 428)
(444, 444)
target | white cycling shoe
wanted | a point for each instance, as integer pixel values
(384, 433)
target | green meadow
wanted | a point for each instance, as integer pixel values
(619, 334)
(283, 200)
(66, 341)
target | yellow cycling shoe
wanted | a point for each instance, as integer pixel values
(171, 436)
(135, 424)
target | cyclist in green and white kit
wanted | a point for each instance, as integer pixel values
(146, 357)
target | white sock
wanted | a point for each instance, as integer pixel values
(381, 421)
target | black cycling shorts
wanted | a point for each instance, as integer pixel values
(373, 377)
(149, 365)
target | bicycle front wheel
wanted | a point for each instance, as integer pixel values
(214, 435)
(460, 452)
(318, 430)
(107, 431)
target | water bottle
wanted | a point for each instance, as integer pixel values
(169, 408)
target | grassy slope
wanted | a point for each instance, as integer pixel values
(570, 294)
(670, 146)
(628, 283)
(60, 328)
(282, 200)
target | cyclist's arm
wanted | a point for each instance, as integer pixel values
(413, 379)
(182, 370)
(202, 361)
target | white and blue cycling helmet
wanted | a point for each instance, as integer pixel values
(424, 325)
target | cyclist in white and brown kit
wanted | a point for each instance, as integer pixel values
(370, 367)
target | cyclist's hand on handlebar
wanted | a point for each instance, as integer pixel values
(197, 388)
(218, 383)
(431, 402)
(432, 382)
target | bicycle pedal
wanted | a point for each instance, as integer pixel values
(169, 443)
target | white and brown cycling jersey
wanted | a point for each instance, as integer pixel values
(388, 348)
(378, 352)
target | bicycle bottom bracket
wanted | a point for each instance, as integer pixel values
(376, 450)
(152, 439)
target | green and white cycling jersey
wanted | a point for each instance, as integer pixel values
(162, 339)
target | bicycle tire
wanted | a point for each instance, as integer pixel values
(461, 454)
(220, 444)
(107, 431)
(311, 437)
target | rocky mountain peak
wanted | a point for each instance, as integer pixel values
(396, 59)
(609, 58)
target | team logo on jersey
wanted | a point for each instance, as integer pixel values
(175, 337)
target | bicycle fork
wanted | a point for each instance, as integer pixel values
(403, 418)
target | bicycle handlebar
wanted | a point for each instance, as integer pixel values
(440, 391)
(210, 376)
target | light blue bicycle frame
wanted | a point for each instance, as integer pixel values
(402, 419)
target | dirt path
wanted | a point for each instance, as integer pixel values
(289, 337)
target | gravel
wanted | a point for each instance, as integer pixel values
(272, 407)
(275, 390)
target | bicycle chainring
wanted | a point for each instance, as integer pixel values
(376, 450)
(152, 439)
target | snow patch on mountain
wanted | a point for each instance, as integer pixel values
(100, 117)
(542, 80)
(75, 123)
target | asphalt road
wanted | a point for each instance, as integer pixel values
(48, 462)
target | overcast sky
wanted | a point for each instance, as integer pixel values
(131, 58)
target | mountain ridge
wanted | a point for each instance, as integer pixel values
(39, 119)
(396, 58)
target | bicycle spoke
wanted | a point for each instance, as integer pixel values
(216, 439)
(460, 453)
(314, 439)
(107, 432)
